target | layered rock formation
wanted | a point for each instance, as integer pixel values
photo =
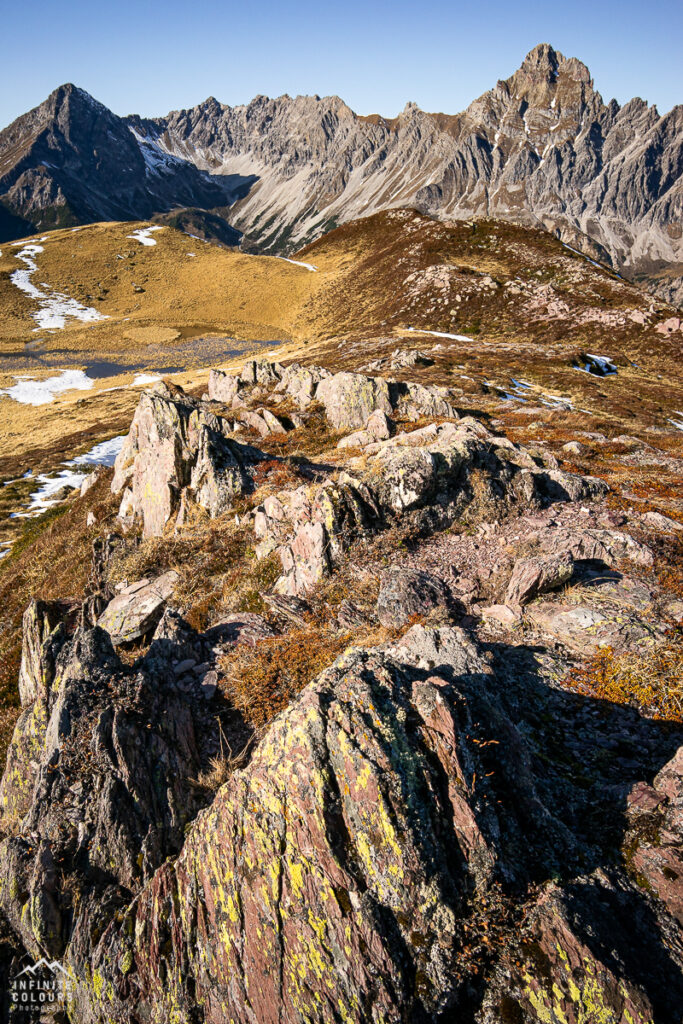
(541, 148)
(433, 829)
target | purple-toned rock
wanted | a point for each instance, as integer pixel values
(137, 609)
(533, 576)
(405, 593)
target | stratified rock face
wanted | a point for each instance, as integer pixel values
(113, 752)
(541, 148)
(343, 873)
(175, 447)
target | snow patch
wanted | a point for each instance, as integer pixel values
(438, 334)
(29, 391)
(102, 454)
(298, 263)
(142, 235)
(145, 378)
(54, 307)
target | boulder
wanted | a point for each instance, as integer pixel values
(350, 398)
(137, 609)
(405, 593)
(175, 448)
(533, 576)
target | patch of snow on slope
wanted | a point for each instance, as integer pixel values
(145, 378)
(29, 391)
(439, 334)
(142, 235)
(298, 263)
(102, 454)
(54, 307)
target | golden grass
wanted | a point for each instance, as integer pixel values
(650, 680)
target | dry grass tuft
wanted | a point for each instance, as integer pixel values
(264, 680)
(651, 680)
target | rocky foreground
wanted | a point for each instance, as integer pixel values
(436, 828)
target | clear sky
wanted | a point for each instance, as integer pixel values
(150, 57)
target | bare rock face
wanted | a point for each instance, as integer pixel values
(397, 808)
(350, 398)
(176, 447)
(404, 593)
(137, 608)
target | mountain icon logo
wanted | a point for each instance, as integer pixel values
(53, 966)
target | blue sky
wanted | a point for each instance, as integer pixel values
(148, 57)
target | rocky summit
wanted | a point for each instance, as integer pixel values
(365, 712)
(541, 149)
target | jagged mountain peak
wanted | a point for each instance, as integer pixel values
(540, 148)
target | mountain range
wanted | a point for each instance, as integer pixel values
(541, 149)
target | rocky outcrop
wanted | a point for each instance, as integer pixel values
(137, 608)
(112, 787)
(177, 449)
(389, 848)
(431, 467)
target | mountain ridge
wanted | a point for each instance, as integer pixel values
(541, 148)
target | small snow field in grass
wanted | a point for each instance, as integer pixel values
(438, 334)
(29, 391)
(54, 307)
(143, 235)
(145, 378)
(102, 454)
(298, 263)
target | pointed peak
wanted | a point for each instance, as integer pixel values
(546, 64)
(543, 58)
